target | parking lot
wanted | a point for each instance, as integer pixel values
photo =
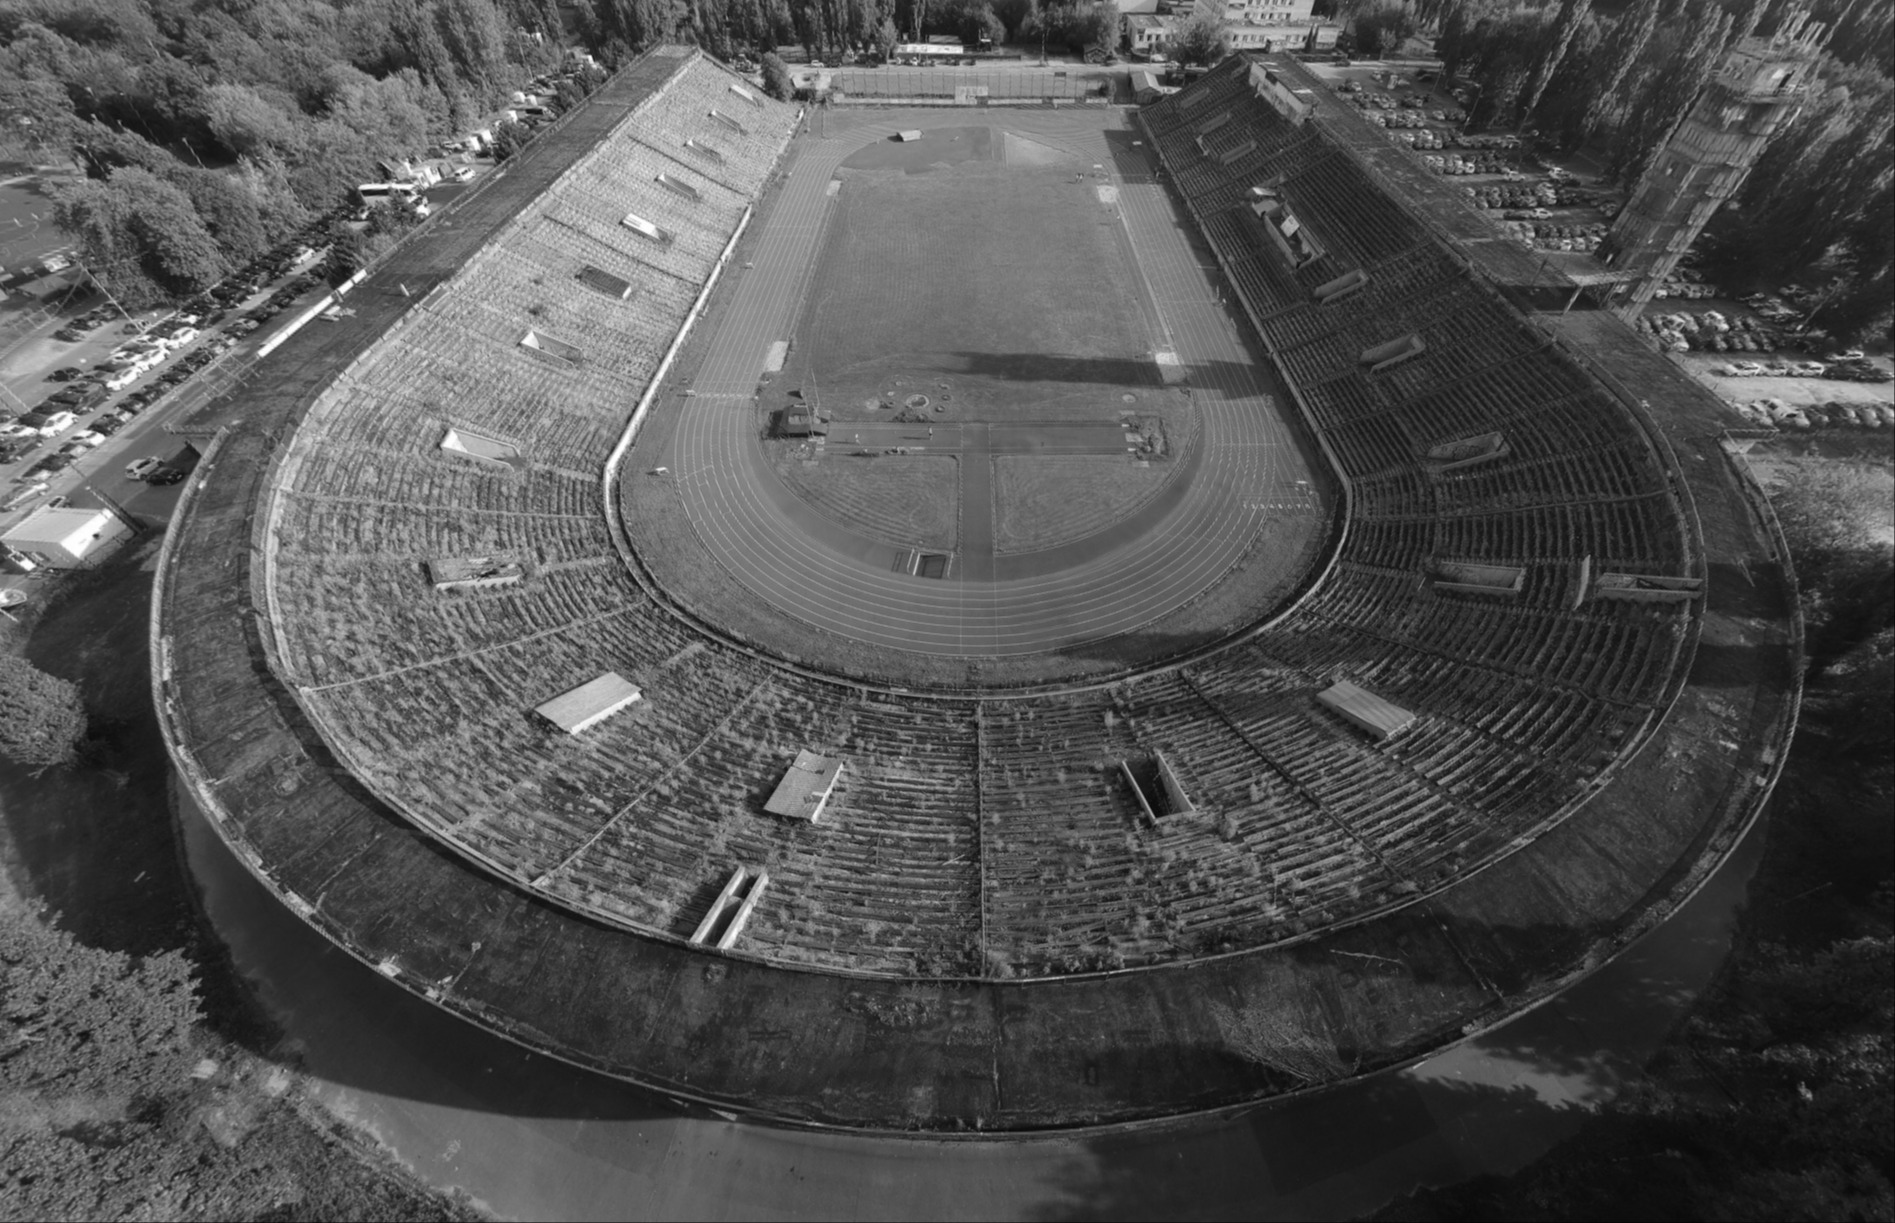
(93, 389)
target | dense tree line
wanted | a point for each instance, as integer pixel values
(209, 130)
(824, 26)
(1817, 206)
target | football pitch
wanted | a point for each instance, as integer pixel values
(1037, 426)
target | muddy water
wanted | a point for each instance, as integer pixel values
(529, 1137)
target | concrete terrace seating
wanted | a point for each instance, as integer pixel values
(972, 833)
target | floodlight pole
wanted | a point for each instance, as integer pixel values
(120, 306)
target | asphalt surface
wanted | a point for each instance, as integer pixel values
(824, 574)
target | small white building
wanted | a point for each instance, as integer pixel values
(67, 537)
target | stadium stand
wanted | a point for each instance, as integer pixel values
(970, 834)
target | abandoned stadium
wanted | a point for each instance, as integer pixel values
(1377, 665)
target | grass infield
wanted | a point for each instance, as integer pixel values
(1006, 291)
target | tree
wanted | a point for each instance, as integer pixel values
(251, 124)
(509, 138)
(79, 1022)
(42, 719)
(979, 21)
(1451, 46)
(1668, 99)
(229, 212)
(886, 37)
(776, 76)
(1383, 30)
(1571, 14)
(1204, 39)
(141, 235)
(1621, 55)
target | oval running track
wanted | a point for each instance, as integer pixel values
(1252, 461)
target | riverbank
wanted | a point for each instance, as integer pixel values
(223, 1126)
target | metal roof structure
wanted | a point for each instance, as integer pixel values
(590, 703)
(805, 787)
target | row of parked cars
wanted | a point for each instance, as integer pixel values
(85, 390)
(1832, 415)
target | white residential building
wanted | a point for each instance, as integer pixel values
(1259, 12)
(1262, 25)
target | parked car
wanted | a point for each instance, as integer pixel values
(65, 373)
(139, 469)
(49, 424)
(123, 378)
(82, 396)
(106, 426)
(165, 475)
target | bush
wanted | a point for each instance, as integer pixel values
(42, 719)
(776, 76)
(509, 138)
(1382, 31)
(1201, 40)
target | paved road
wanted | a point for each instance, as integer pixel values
(820, 572)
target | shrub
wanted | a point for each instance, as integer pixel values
(776, 76)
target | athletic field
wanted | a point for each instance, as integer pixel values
(1044, 430)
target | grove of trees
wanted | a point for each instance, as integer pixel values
(1817, 207)
(1202, 39)
(209, 130)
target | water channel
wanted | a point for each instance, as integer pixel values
(530, 1137)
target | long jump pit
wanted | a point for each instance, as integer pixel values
(968, 409)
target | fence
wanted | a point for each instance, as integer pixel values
(971, 87)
